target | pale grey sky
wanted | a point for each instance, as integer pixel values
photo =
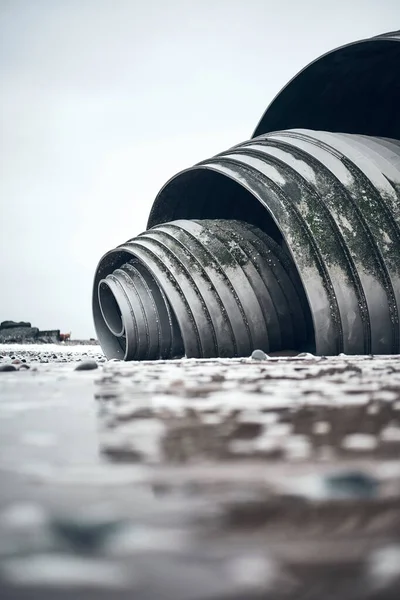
(101, 101)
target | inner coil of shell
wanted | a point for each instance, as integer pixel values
(204, 289)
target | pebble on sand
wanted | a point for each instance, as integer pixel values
(354, 484)
(7, 367)
(86, 365)
(259, 355)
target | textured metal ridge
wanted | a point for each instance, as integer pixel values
(335, 201)
(211, 288)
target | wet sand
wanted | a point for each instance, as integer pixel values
(223, 479)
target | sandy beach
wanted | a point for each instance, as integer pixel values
(197, 479)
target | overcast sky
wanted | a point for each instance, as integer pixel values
(101, 101)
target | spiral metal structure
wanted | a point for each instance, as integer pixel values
(290, 240)
(199, 288)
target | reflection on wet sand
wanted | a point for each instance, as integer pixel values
(202, 479)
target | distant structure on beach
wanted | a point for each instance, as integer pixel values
(23, 332)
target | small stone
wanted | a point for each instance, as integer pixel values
(354, 484)
(16, 361)
(259, 355)
(86, 365)
(85, 533)
(7, 367)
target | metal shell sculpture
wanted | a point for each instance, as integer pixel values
(288, 241)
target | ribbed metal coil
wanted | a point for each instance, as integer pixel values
(333, 201)
(329, 202)
(200, 288)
